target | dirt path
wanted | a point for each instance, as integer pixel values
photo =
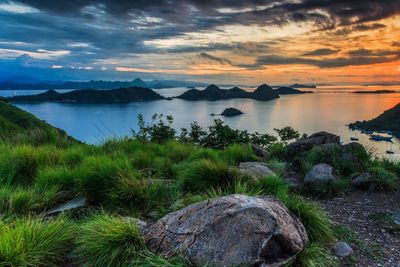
(358, 212)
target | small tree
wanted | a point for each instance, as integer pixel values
(287, 133)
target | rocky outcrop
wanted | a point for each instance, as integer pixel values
(362, 181)
(317, 139)
(290, 91)
(255, 169)
(234, 230)
(213, 92)
(320, 174)
(73, 204)
(231, 112)
(259, 151)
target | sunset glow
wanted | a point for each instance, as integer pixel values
(243, 42)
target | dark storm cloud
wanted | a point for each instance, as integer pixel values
(322, 63)
(321, 52)
(359, 28)
(120, 28)
(219, 60)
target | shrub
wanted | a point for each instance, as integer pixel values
(328, 189)
(279, 167)
(277, 151)
(34, 242)
(383, 180)
(312, 216)
(105, 240)
(177, 151)
(205, 174)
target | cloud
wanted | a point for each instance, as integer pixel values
(321, 52)
(215, 59)
(359, 28)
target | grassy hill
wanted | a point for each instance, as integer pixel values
(18, 126)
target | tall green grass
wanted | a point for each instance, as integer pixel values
(34, 242)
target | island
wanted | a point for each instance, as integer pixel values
(297, 85)
(291, 91)
(375, 92)
(388, 121)
(231, 112)
(213, 92)
(121, 95)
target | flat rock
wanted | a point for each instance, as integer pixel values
(319, 174)
(317, 139)
(75, 203)
(342, 249)
(362, 181)
(255, 169)
(235, 230)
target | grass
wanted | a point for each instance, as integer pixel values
(205, 174)
(34, 242)
(386, 221)
(106, 240)
(315, 255)
(382, 180)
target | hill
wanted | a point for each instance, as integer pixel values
(121, 95)
(213, 92)
(387, 121)
(17, 125)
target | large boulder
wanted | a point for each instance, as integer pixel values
(259, 151)
(320, 174)
(234, 230)
(362, 181)
(305, 144)
(255, 169)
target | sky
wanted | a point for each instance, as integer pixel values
(216, 41)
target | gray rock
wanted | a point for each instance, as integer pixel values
(75, 203)
(255, 169)
(317, 139)
(342, 249)
(362, 181)
(259, 151)
(234, 230)
(396, 217)
(319, 174)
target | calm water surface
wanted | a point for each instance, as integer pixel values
(329, 109)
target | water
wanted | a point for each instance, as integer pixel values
(329, 109)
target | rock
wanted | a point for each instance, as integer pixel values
(396, 217)
(255, 169)
(234, 230)
(75, 203)
(319, 174)
(342, 249)
(362, 181)
(142, 225)
(230, 112)
(317, 139)
(259, 151)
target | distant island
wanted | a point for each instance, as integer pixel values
(291, 91)
(388, 121)
(297, 85)
(231, 112)
(24, 83)
(121, 95)
(375, 92)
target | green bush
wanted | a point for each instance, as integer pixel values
(277, 151)
(34, 242)
(105, 240)
(61, 177)
(273, 185)
(206, 174)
